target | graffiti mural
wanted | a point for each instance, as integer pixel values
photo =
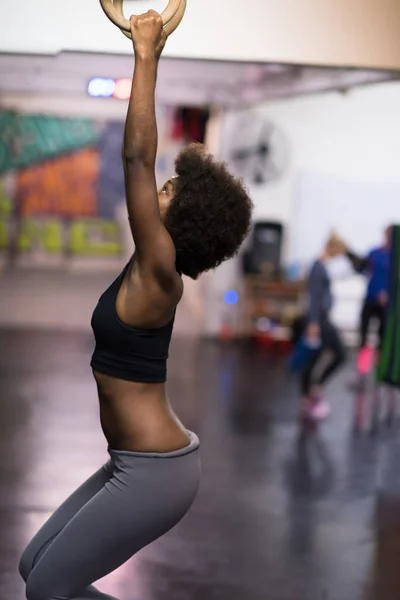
(61, 181)
(27, 139)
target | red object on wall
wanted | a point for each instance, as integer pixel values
(190, 124)
(177, 128)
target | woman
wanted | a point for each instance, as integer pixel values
(321, 334)
(198, 220)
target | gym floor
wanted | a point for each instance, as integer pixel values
(280, 516)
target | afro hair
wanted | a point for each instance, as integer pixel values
(210, 214)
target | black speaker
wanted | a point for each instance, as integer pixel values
(263, 256)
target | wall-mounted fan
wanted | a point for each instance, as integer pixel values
(258, 151)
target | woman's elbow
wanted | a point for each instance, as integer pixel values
(132, 157)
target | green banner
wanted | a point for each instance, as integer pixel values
(388, 370)
(30, 139)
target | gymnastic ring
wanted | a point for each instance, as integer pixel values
(176, 19)
(168, 27)
(171, 16)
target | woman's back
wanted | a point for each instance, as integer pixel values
(130, 367)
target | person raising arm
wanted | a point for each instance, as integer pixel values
(196, 221)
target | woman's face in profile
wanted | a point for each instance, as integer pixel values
(166, 195)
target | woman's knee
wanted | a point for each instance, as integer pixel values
(38, 590)
(31, 555)
(34, 592)
(25, 564)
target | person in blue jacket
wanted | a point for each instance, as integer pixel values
(376, 267)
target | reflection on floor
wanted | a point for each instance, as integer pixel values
(280, 516)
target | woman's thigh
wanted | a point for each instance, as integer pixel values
(61, 517)
(142, 500)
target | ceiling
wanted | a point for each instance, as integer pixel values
(182, 82)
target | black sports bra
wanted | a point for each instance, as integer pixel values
(126, 352)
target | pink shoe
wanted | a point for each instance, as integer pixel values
(365, 360)
(317, 410)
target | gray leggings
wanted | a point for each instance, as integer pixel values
(130, 502)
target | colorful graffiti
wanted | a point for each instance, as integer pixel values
(61, 182)
(29, 139)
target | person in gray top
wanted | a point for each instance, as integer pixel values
(321, 334)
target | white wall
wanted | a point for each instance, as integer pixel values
(334, 32)
(351, 137)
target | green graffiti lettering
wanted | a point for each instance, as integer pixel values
(4, 235)
(6, 203)
(95, 237)
(6, 207)
(45, 233)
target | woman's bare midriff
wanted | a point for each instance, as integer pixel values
(138, 416)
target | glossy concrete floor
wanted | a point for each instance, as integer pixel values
(280, 516)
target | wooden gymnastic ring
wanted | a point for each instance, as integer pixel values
(171, 16)
(176, 19)
(118, 7)
(168, 27)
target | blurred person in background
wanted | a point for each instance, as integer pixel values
(320, 334)
(375, 266)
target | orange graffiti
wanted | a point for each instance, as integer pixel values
(65, 187)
